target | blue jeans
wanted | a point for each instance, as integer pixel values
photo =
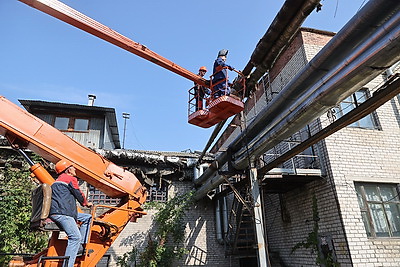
(220, 90)
(76, 236)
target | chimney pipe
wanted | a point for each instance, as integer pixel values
(91, 99)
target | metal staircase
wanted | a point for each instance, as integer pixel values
(240, 238)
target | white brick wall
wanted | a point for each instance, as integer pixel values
(200, 234)
(350, 155)
(365, 155)
(347, 156)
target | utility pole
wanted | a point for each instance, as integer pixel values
(126, 116)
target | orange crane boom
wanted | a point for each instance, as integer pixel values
(30, 132)
(75, 18)
(25, 131)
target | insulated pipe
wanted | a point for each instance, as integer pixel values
(358, 29)
(282, 29)
(198, 170)
(379, 97)
(361, 26)
(210, 171)
(214, 134)
(267, 59)
(362, 66)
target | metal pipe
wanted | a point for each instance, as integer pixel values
(285, 37)
(282, 29)
(224, 215)
(214, 134)
(26, 157)
(358, 28)
(218, 228)
(362, 66)
(379, 98)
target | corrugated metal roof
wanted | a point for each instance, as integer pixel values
(34, 106)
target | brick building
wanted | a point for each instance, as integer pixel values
(345, 186)
(352, 211)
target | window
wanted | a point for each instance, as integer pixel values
(351, 103)
(98, 197)
(380, 209)
(61, 123)
(71, 124)
(157, 194)
(81, 124)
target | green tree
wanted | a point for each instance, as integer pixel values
(15, 212)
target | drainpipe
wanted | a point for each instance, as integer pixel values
(224, 216)
(218, 228)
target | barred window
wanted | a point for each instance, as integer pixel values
(380, 209)
(98, 197)
(157, 194)
(154, 193)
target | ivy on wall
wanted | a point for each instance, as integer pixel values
(166, 244)
(326, 259)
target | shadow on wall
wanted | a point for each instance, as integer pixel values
(395, 106)
(197, 255)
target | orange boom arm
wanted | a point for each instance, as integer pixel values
(73, 17)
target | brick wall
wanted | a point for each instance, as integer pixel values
(284, 235)
(200, 240)
(366, 155)
(348, 156)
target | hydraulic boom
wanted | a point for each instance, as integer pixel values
(25, 131)
(71, 16)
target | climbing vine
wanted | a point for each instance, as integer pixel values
(15, 212)
(312, 241)
(166, 244)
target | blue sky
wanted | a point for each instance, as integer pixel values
(45, 59)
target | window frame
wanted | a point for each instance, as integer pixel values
(156, 193)
(97, 197)
(71, 123)
(366, 210)
(356, 102)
